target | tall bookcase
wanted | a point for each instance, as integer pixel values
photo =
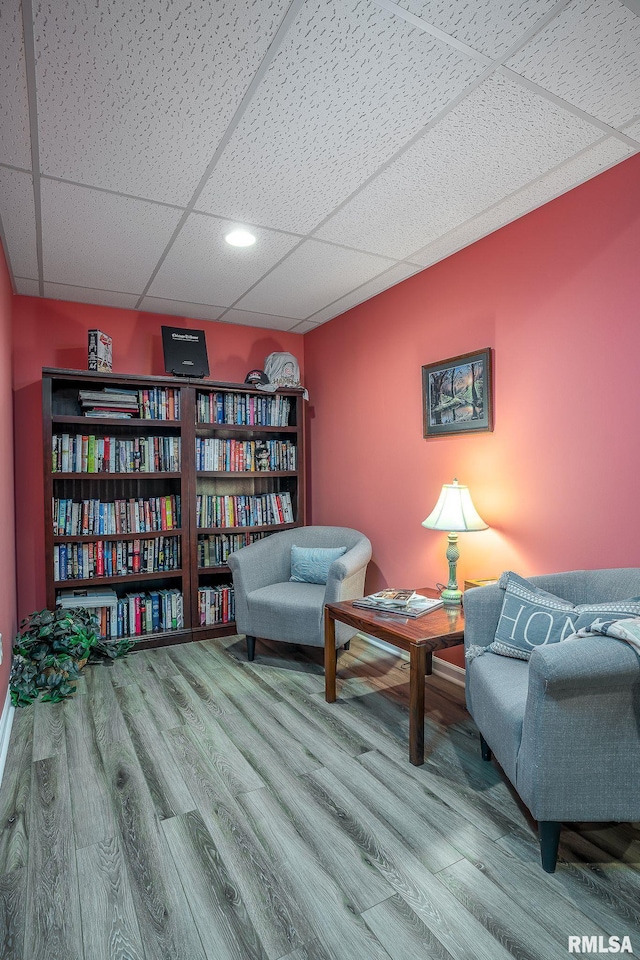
(198, 469)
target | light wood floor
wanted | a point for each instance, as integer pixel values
(189, 805)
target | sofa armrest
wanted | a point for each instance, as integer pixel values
(482, 606)
(579, 757)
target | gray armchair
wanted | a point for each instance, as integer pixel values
(564, 726)
(270, 606)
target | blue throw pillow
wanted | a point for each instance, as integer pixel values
(531, 617)
(311, 564)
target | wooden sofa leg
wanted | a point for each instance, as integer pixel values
(251, 648)
(347, 644)
(485, 748)
(549, 833)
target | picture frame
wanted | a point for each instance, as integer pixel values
(457, 395)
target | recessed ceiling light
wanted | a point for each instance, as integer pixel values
(240, 238)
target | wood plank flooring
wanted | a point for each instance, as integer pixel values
(188, 805)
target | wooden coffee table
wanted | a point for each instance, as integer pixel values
(443, 627)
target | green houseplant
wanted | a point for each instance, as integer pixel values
(50, 651)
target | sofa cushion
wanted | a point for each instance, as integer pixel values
(311, 564)
(497, 697)
(531, 617)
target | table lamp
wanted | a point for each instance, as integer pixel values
(456, 513)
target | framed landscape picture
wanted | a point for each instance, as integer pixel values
(457, 395)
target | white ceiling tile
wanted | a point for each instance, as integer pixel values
(95, 239)
(633, 130)
(19, 221)
(304, 327)
(569, 175)
(495, 141)
(395, 274)
(490, 26)
(179, 308)
(203, 268)
(250, 319)
(27, 287)
(588, 55)
(135, 97)
(15, 142)
(312, 276)
(104, 298)
(351, 84)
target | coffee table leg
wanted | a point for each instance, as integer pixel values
(330, 657)
(416, 704)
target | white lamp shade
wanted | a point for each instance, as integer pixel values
(454, 511)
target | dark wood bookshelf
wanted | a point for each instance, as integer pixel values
(60, 390)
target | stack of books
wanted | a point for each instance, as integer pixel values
(405, 603)
(101, 600)
(110, 402)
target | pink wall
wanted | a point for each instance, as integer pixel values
(8, 615)
(53, 333)
(557, 295)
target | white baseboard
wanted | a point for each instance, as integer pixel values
(441, 668)
(6, 722)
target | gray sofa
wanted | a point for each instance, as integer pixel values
(564, 726)
(270, 606)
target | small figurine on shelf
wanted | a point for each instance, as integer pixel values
(262, 456)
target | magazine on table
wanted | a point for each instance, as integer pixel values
(405, 603)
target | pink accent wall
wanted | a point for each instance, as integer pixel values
(556, 294)
(8, 612)
(53, 333)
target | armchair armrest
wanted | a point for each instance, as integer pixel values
(579, 757)
(254, 566)
(258, 564)
(346, 574)
(584, 667)
(482, 606)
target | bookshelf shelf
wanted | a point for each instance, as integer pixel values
(71, 583)
(106, 475)
(264, 528)
(132, 423)
(247, 474)
(94, 537)
(240, 430)
(259, 495)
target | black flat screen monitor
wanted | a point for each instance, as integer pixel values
(185, 352)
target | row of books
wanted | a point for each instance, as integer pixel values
(213, 551)
(216, 605)
(75, 453)
(74, 518)
(158, 403)
(133, 615)
(245, 455)
(115, 558)
(243, 408)
(244, 511)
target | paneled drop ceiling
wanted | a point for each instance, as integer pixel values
(359, 140)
